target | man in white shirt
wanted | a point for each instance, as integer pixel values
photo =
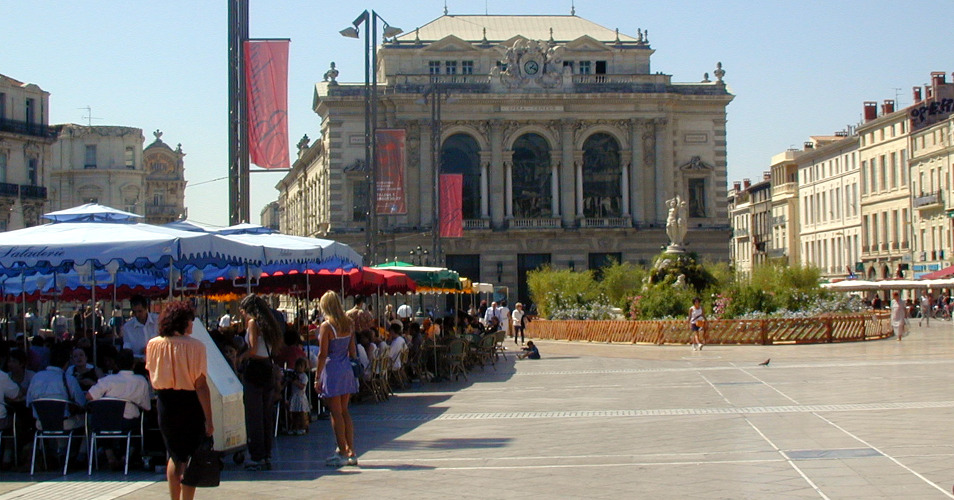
(140, 328)
(398, 344)
(503, 315)
(59, 325)
(226, 320)
(404, 312)
(490, 314)
(123, 385)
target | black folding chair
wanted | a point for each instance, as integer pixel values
(50, 415)
(104, 420)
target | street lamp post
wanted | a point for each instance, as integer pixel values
(370, 117)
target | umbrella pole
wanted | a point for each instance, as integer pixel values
(92, 317)
(23, 309)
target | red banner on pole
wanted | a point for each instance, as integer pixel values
(452, 213)
(266, 80)
(390, 165)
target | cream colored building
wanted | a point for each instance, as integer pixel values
(107, 165)
(785, 221)
(568, 141)
(829, 203)
(885, 193)
(750, 209)
(932, 157)
(165, 182)
(25, 154)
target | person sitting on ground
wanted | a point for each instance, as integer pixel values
(530, 351)
(123, 385)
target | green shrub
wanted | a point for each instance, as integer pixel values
(622, 281)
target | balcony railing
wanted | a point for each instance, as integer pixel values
(171, 210)
(542, 223)
(25, 191)
(606, 222)
(929, 200)
(34, 192)
(471, 224)
(25, 128)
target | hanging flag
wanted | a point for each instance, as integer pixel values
(266, 81)
(390, 165)
(452, 213)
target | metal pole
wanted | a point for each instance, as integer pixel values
(374, 137)
(368, 160)
(237, 119)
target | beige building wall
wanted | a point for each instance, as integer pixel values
(830, 208)
(785, 221)
(560, 79)
(25, 153)
(97, 164)
(885, 194)
(932, 179)
(165, 183)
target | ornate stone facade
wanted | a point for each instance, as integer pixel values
(569, 147)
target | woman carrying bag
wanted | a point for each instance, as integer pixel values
(263, 337)
(178, 372)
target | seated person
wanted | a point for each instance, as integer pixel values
(53, 383)
(398, 344)
(85, 372)
(123, 385)
(530, 351)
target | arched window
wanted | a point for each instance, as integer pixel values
(460, 154)
(531, 177)
(602, 190)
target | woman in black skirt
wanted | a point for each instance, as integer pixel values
(177, 368)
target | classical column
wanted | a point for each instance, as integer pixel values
(579, 185)
(664, 168)
(625, 189)
(554, 185)
(485, 160)
(508, 186)
(567, 172)
(495, 175)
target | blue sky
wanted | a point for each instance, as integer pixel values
(797, 68)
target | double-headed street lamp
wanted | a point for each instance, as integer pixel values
(370, 116)
(435, 94)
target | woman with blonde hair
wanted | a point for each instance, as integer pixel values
(336, 381)
(263, 336)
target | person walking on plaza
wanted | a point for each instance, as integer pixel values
(178, 370)
(899, 318)
(263, 337)
(697, 318)
(518, 317)
(925, 308)
(336, 382)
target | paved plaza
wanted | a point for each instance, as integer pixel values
(859, 420)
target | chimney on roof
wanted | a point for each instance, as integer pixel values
(737, 186)
(746, 183)
(871, 110)
(887, 107)
(938, 78)
(928, 91)
(766, 176)
(809, 145)
(841, 133)
(917, 95)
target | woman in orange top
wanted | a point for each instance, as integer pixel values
(177, 369)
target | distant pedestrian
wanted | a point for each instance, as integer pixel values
(697, 318)
(519, 322)
(899, 320)
(927, 300)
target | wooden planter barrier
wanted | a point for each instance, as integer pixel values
(818, 330)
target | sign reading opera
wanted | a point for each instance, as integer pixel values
(567, 142)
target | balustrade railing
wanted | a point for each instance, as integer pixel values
(822, 329)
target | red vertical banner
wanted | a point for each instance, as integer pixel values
(390, 165)
(266, 80)
(452, 212)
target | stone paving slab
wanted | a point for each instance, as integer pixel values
(870, 420)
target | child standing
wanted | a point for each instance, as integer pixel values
(298, 405)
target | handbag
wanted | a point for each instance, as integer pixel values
(357, 368)
(204, 469)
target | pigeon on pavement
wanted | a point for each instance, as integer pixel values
(766, 362)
